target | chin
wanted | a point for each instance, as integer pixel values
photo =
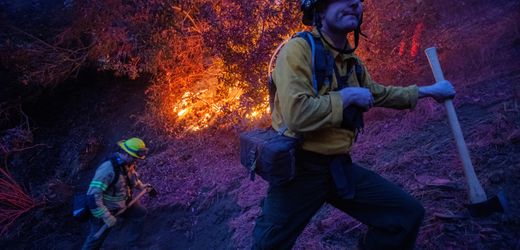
(344, 30)
(347, 27)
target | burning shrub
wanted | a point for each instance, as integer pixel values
(208, 60)
(216, 74)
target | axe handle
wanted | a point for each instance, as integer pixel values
(105, 226)
(476, 192)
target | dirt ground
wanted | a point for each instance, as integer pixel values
(79, 141)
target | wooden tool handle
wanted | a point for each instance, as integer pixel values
(476, 192)
(105, 226)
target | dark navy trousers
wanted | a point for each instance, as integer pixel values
(392, 215)
(135, 216)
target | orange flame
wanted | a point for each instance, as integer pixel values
(208, 102)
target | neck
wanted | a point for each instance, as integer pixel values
(338, 39)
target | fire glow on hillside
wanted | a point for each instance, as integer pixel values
(207, 102)
(214, 71)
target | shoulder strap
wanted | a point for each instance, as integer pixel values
(322, 61)
(322, 64)
(323, 68)
(117, 171)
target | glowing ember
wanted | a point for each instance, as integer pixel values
(182, 113)
(401, 48)
(416, 40)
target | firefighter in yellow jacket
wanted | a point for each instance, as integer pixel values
(111, 190)
(325, 172)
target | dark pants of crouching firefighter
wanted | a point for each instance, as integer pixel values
(134, 216)
(393, 216)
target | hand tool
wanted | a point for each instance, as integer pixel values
(132, 202)
(479, 205)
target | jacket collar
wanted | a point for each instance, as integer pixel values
(335, 54)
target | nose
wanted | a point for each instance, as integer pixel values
(354, 5)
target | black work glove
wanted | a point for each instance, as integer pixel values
(353, 118)
(151, 190)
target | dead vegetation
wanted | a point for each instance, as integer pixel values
(14, 201)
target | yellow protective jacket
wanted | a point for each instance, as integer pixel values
(319, 118)
(109, 198)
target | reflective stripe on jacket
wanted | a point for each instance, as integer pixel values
(109, 198)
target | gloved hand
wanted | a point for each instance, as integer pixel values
(361, 97)
(440, 91)
(109, 220)
(151, 190)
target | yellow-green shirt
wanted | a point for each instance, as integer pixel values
(318, 118)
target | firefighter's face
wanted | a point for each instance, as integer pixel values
(341, 16)
(128, 159)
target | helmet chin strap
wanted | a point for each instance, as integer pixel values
(357, 32)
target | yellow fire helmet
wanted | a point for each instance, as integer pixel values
(134, 147)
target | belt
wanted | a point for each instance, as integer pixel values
(321, 158)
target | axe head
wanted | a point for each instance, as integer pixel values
(496, 204)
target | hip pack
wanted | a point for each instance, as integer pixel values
(270, 154)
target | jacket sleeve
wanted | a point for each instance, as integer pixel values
(99, 184)
(301, 109)
(391, 96)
